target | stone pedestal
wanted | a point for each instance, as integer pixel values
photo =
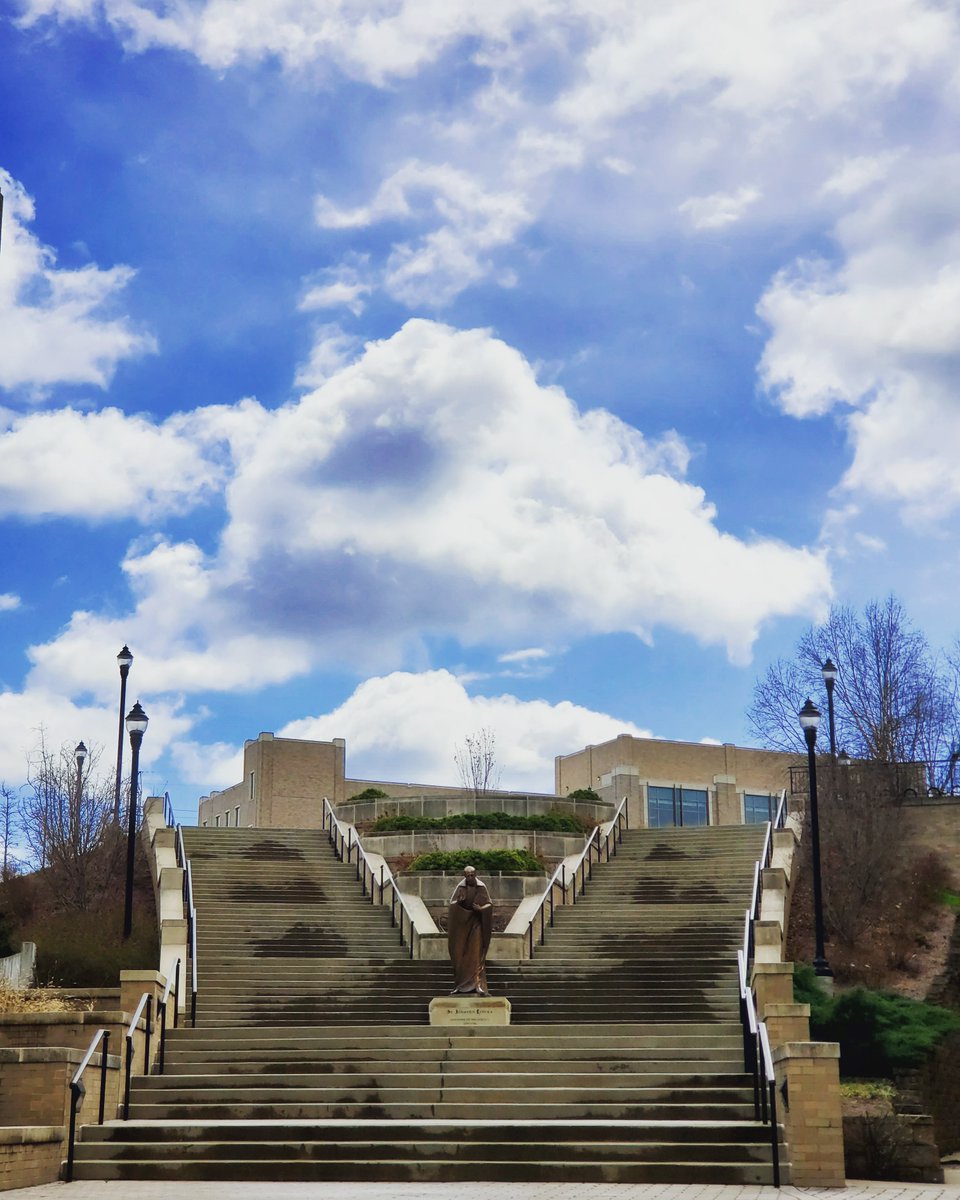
(470, 1011)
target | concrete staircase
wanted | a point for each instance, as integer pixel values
(312, 1060)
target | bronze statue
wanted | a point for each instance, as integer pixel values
(469, 925)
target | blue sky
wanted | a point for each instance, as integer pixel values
(388, 371)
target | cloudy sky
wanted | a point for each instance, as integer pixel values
(392, 370)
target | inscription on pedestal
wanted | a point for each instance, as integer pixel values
(470, 1010)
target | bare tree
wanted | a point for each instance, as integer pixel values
(895, 700)
(476, 762)
(65, 818)
(8, 826)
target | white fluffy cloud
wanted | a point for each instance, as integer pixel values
(432, 487)
(720, 111)
(876, 334)
(58, 325)
(406, 727)
(104, 464)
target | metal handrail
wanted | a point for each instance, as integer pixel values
(614, 836)
(78, 1091)
(146, 1001)
(169, 817)
(757, 1059)
(344, 846)
(174, 982)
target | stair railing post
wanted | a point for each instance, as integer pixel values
(381, 884)
(103, 1075)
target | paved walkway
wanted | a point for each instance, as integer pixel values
(854, 1190)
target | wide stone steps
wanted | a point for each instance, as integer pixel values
(313, 1060)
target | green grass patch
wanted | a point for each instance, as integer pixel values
(950, 898)
(553, 822)
(877, 1031)
(510, 862)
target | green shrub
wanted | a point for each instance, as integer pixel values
(554, 822)
(513, 862)
(584, 794)
(370, 793)
(877, 1031)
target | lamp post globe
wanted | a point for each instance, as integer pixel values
(829, 672)
(124, 662)
(810, 723)
(136, 723)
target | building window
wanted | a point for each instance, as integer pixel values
(676, 806)
(236, 816)
(757, 808)
(218, 820)
(204, 824)
(226, 818)
(252, 774)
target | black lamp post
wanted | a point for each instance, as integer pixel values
(124, 658)
(809, 723)
(80, 754)
(136, 725)
(829, 673)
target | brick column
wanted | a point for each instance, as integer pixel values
(772, 983)
(808, 1094)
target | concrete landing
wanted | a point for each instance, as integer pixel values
(126, 1190)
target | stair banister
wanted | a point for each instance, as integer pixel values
(331, 820)
(146, 1003)
(78, 1091)
(559, 876)
(173, 983)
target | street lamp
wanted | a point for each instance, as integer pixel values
(809, 723)
(80, 754)
(124, 659)
(136, 726)
(829, 672)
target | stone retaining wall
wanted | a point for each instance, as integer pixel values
(551, 846)
(30, 1155)
(450, 805)
(891, 1146)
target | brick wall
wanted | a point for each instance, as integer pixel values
(31, 1156)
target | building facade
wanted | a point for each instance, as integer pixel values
(679, 783)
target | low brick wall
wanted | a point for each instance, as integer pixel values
(34, 1085)
(898, 1147)
(31, 1155)
(936, 1088)
(71, 1029)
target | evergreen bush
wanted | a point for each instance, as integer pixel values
(877, 1031)
(584, 794)
(554, 822)
(370, 793)
(510, 862)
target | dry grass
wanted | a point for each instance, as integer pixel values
(12, 1000)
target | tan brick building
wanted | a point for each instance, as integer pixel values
(285, 781)
(666, 783)
(679, 783)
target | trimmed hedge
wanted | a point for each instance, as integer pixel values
(584, 794)
(510, 862)
(555, 822)
(370, 793)
(877, 1031)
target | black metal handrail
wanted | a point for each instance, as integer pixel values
(582, 869)
(169, 817)
(174, 982)
(344, 844)
(758, 1062)
(766, 857)
(146, 1002)
(190, 910)
(78, 1091)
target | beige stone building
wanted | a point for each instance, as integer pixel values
(679, 783)
(666, 783)
(285, 781)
